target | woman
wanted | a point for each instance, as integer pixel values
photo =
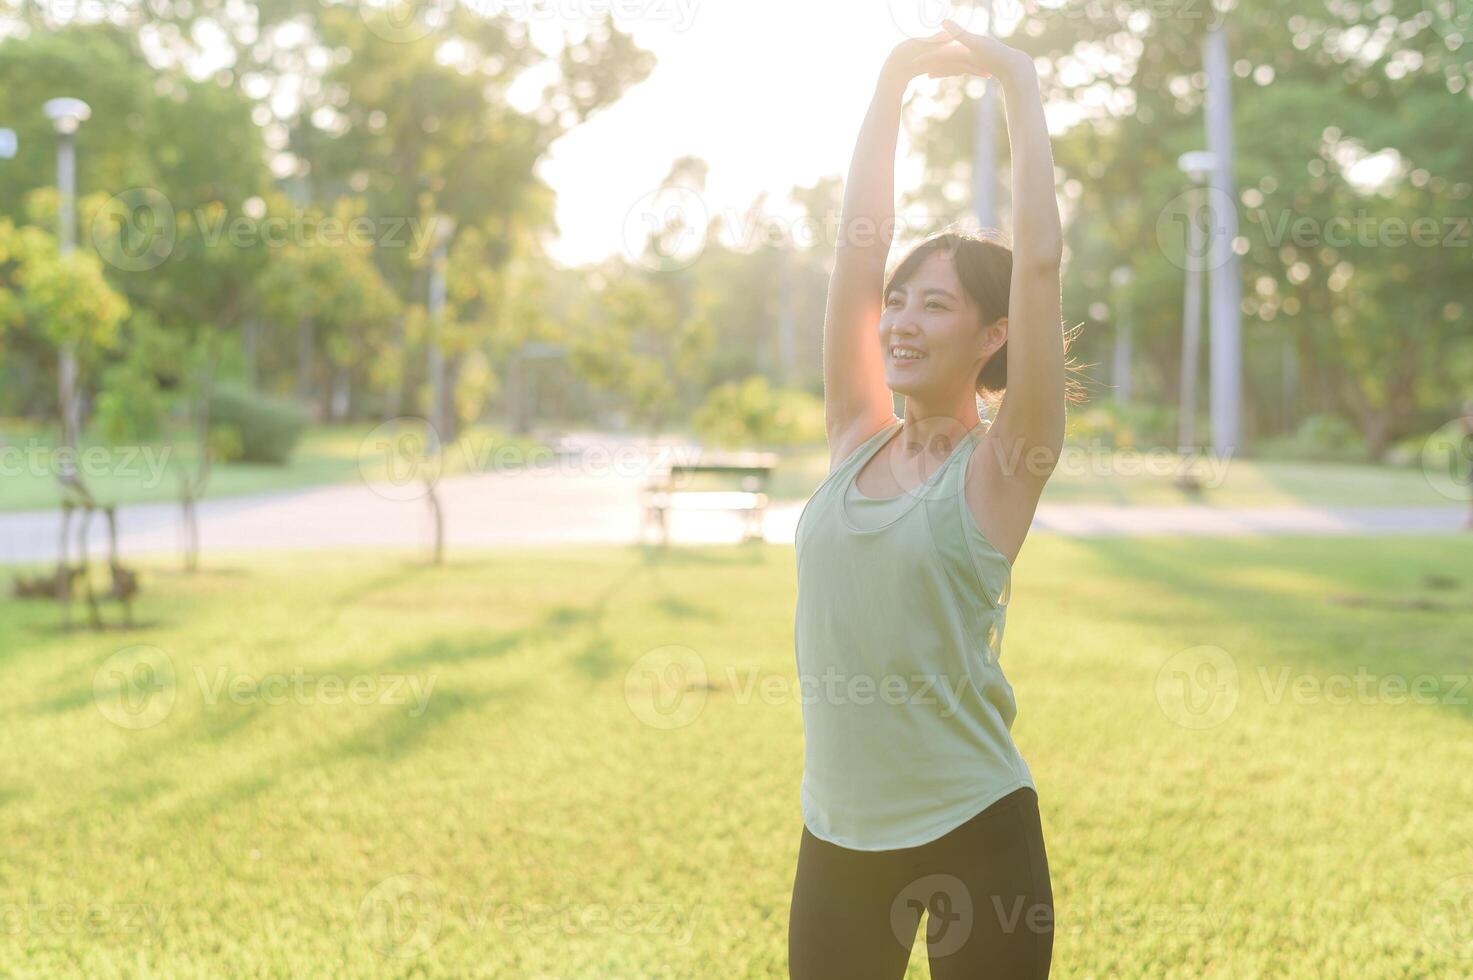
(914, 795)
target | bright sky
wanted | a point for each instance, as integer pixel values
(770, 93)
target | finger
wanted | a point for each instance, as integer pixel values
(977, 42)
(947, 63)
(915, 46)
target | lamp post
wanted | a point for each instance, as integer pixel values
(1121, 278)
(66, 116)
(1225, 298)
(444, 229)
(1198, 166)
(7, 144)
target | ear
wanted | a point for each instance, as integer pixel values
(992, 337)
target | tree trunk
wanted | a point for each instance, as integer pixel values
(248, 342)
(306, 347)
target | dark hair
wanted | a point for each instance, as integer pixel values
(984, 264)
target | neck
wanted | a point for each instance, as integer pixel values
(928, 419)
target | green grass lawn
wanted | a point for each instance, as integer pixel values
(326, 454)
(537, 815)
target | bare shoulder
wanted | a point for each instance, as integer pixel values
(1002, 494)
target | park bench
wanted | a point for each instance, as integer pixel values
(688, 486)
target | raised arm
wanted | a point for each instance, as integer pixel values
(856, 400)
(1029, 426)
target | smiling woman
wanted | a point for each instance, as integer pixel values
(905, 559)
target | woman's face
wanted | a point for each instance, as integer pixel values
(929, 333)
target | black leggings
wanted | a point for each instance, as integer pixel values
(985, 886)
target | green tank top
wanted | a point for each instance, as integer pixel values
(898, 627)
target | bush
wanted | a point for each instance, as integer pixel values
(252, 427)
(1322, 437)
(751, 413)
(1111, 425)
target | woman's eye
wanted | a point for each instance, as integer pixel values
(934, 306)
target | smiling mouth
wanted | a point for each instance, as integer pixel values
(899, 353)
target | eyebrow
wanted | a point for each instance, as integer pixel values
(929, 289)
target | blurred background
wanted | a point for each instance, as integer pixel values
(405, 410)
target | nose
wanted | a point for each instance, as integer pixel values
(904, 329)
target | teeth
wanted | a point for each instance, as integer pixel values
(905, 354)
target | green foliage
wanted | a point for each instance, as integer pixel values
(256, 427)
(134, 400)
(641, 343)
(1320, 436)
(752, 414)
(1134, 425)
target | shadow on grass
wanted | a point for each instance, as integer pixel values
(1391, 607)
(396, 736)
(444, 650)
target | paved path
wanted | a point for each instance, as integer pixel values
(555, 506)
